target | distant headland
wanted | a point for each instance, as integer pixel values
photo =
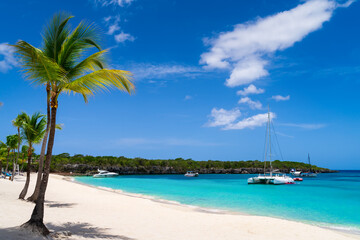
(86, 165)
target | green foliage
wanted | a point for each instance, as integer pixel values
(179, 164)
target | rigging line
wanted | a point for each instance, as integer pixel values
(265, 147)
(282, 158)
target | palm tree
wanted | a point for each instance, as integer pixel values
(32, 130)
(3, 149)
(11, 143)
(59, 65)
(17, 122)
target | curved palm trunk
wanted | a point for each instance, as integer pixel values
(7, 162)
(26, 186)
(36, 222)
(17, 156)
(35, 195)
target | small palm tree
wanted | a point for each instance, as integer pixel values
(17, 122)
(3, 150)
(32, 130)
(63, 67)
(11, 143)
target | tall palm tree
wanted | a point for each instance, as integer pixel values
(65, 63)
(32, 130)
(17, 122)
(11, 143)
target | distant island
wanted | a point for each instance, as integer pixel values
(86, 165)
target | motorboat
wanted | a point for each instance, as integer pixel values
(191, 174)
(310, 173)
(105, 174)
(273, 177)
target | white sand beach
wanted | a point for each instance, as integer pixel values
(76, 211)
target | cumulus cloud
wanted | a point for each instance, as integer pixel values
(120, 3)
(229, 119)
(222, 117)
(251, 89)
(252, 104)
(9, 60)
(245, 49)
(122, 37)
(251, 122)
(281, 98)
(113, 24)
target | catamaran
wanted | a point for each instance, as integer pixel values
(270, 178)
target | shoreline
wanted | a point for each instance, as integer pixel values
(342, 229)
(77, 211)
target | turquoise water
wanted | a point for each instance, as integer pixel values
(331, 200)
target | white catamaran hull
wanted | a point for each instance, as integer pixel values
(275, 180)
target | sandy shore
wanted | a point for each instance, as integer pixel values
(76, 211)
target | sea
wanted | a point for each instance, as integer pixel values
(330, 200)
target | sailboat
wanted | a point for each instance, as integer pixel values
(270, 178)
(310, 173)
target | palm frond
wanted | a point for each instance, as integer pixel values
(91, 63)
(36, 66)
(83, 37)
(101, 80)
(55, 34)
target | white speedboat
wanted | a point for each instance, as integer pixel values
(191, 174)
(295, 173)
(271, 178)
(105, 174)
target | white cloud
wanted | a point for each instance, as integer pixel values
(228, 119)
(245, 49)
(187, 97)
(122, 37)
(251, 89)
(8, 61)
(114, 26)
(281, 98)
(222, 117)
(160, 71)
(311, 126)
(119, 3)
(252, 104)
(251, 122)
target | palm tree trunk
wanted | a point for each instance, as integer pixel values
(35, 195)
(7, 163)
(36, 222)
(25, 189)
(17, 156)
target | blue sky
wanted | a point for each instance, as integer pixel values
(205, 72)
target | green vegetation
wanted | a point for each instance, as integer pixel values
(60, 163)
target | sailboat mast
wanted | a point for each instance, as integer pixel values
(309, 161)
(269, 138)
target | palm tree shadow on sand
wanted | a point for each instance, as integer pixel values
(84, 230)
(63, 231)
(54, 204)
